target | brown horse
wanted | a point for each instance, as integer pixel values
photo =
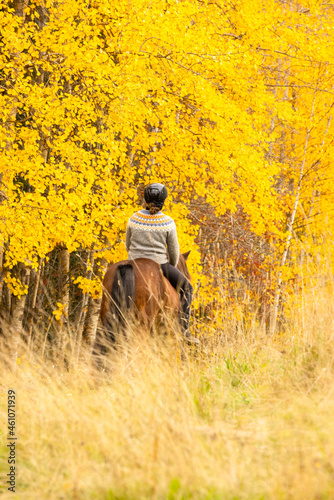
(138, 289)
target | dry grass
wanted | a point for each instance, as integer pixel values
(249, 417)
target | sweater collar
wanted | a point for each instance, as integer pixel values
(147, 212)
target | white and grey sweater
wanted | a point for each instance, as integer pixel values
(153, 237)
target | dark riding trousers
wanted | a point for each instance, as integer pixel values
(184, 287)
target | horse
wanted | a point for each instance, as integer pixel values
(137, 289)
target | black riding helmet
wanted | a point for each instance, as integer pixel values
(156, 194)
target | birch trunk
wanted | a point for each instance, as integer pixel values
(2, 274)
(273, 319)
(84, 306)
(7, 301)
(18, 306)
(93, 312)
(63, 296)
(32, 305)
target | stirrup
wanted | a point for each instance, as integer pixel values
(191, 339)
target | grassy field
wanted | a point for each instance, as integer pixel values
(246, 416)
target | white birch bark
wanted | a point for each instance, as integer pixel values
(274, 313)
(84, 306)
(32, 305)
(93, 312)
(18, 306)
(63, 296)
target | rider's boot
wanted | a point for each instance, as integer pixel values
(190, 339)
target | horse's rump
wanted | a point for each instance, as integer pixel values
(135, 286)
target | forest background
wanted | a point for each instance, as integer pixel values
(227, 103)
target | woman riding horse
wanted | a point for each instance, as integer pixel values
(151, 234)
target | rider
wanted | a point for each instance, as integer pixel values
(152, 234)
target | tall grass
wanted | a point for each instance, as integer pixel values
(242, 417)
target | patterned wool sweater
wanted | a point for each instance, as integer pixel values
(153, 237)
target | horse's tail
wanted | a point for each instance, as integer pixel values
(122, 294)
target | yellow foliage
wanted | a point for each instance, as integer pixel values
(98, 98)
(58, 313)
(15, 286)
(93, 287)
